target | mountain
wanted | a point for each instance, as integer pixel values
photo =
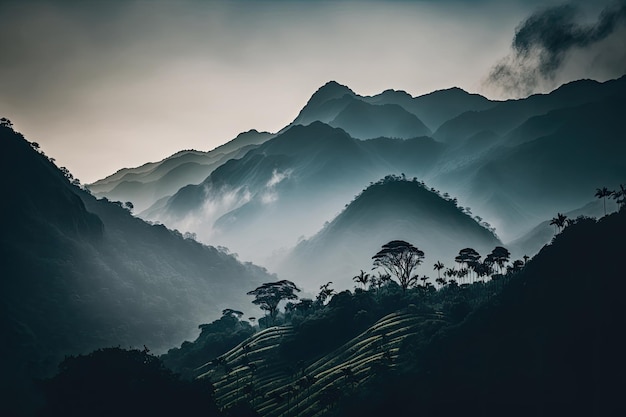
(145, 185)
(338, 106)
(366, 121)
(556, 172)
(80, 273)
(431, 109)
(390, 209)
(530, 243)
(262, 202)
(437, 107)
(516, 162)
(506, 116)
(325, 104)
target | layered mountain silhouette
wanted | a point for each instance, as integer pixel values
(530, 243)
(393, 208)
(506, 116)
(151, 182)
(80, 273)
(263, 201)
(515, 163)
(366, 121)
(431, 109)
(577, 149)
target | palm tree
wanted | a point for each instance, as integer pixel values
(620, 196)
(558, 222)
(325, 292)
(468, 256)
(603, 193)
(438, 266)
(500, 256)
(362, 278)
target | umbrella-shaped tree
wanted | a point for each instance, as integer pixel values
(399, 258)
(270, 294)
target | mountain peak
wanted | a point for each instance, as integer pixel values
(329, 91)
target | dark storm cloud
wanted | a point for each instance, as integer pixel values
(543, 42)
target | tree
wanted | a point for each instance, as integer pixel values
(362, 278)
(620, 196)
(438, 267)
(270, 294)
(603, 193)
(500, 256)
(325, 292)
(559, 222)
(468, 256)
(399, 258)
(232, 313)
(4, 122)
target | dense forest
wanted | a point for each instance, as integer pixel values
(539, 336)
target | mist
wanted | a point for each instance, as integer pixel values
(559, 43)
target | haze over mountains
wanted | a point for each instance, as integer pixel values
(151, 182)
(312, 203)
(393, 208)
(515, 163)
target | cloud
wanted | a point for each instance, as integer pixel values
(552, 40)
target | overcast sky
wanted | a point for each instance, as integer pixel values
(105, 85)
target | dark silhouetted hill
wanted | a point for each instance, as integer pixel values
(550, 344)
(80, 273)
(391, 209)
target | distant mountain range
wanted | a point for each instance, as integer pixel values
(515, 163)
(151, 182)
(80, 273)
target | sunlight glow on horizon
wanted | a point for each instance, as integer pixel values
(106, 88)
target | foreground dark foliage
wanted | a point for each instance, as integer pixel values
(550, 344)
(117, 382)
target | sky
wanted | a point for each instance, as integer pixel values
(103, 85)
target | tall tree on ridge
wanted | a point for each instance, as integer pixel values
(620, 196)
(559, 222)
(399, 258)
(438, 266)
(603, 193)
(270, 294)
(362, 278)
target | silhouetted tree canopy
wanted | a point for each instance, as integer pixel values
(270, 294)
(399, 258)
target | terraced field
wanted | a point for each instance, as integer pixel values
(255, 371)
